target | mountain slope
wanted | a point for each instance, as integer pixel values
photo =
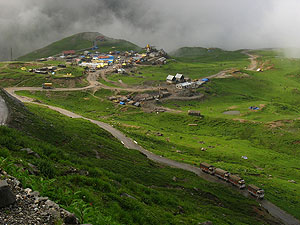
(79, 42)
(112, 184)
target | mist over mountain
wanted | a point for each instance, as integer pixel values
(29, 24)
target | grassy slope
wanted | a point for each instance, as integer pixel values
(78, 42)
(268, 149)
(116, 45)
(194, 67)
(75, 42)
(158, 198)
(12, 75)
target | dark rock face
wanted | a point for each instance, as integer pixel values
(71, 219)
(6, 196)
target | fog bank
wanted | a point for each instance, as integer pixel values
(26, 25)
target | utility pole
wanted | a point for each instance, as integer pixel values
(11, 54)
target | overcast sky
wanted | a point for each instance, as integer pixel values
(230, 24)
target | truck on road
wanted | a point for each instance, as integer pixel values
(223, 174)
(207, 168)
(256, 191)
(236, 181)
(47, 85)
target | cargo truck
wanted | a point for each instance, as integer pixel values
(236, 181)
(207, 168)
(256, 191)
(223, 174)
(47, 85)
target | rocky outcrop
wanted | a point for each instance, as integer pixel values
(30, 152)
(24, 206)
(6, 196)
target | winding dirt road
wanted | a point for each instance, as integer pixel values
(275, 211)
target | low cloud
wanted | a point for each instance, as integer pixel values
(233, 24)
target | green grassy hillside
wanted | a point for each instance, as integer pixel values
(269, 137)
(78, 42)
(11, 74)
(111, 184)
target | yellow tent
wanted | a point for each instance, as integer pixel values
(23, 69)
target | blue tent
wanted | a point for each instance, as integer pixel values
(254, 108)
(122, 103)
(205, 79)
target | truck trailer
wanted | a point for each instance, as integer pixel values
(207, 168)
(223, 174)
(236, 181)
(256, 191)
(47, 85)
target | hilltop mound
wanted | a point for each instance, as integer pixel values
(81, 41)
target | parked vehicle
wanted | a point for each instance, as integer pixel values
(207, 168)
(223, 174)
(47, 86)
(237, 181)
(256, 191)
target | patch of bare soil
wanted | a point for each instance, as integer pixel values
(129, 126)
(278, 123)
(232, 112)
(68, 81)
(261, 106)
(240, 120)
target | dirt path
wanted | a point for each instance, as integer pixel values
(253, 59)
(3, 112)
(184, 98)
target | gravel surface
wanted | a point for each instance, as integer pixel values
(232, 112)
(30, 208)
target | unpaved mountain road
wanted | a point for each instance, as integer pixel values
(253, 60)
(275, 211)
(3, 112)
